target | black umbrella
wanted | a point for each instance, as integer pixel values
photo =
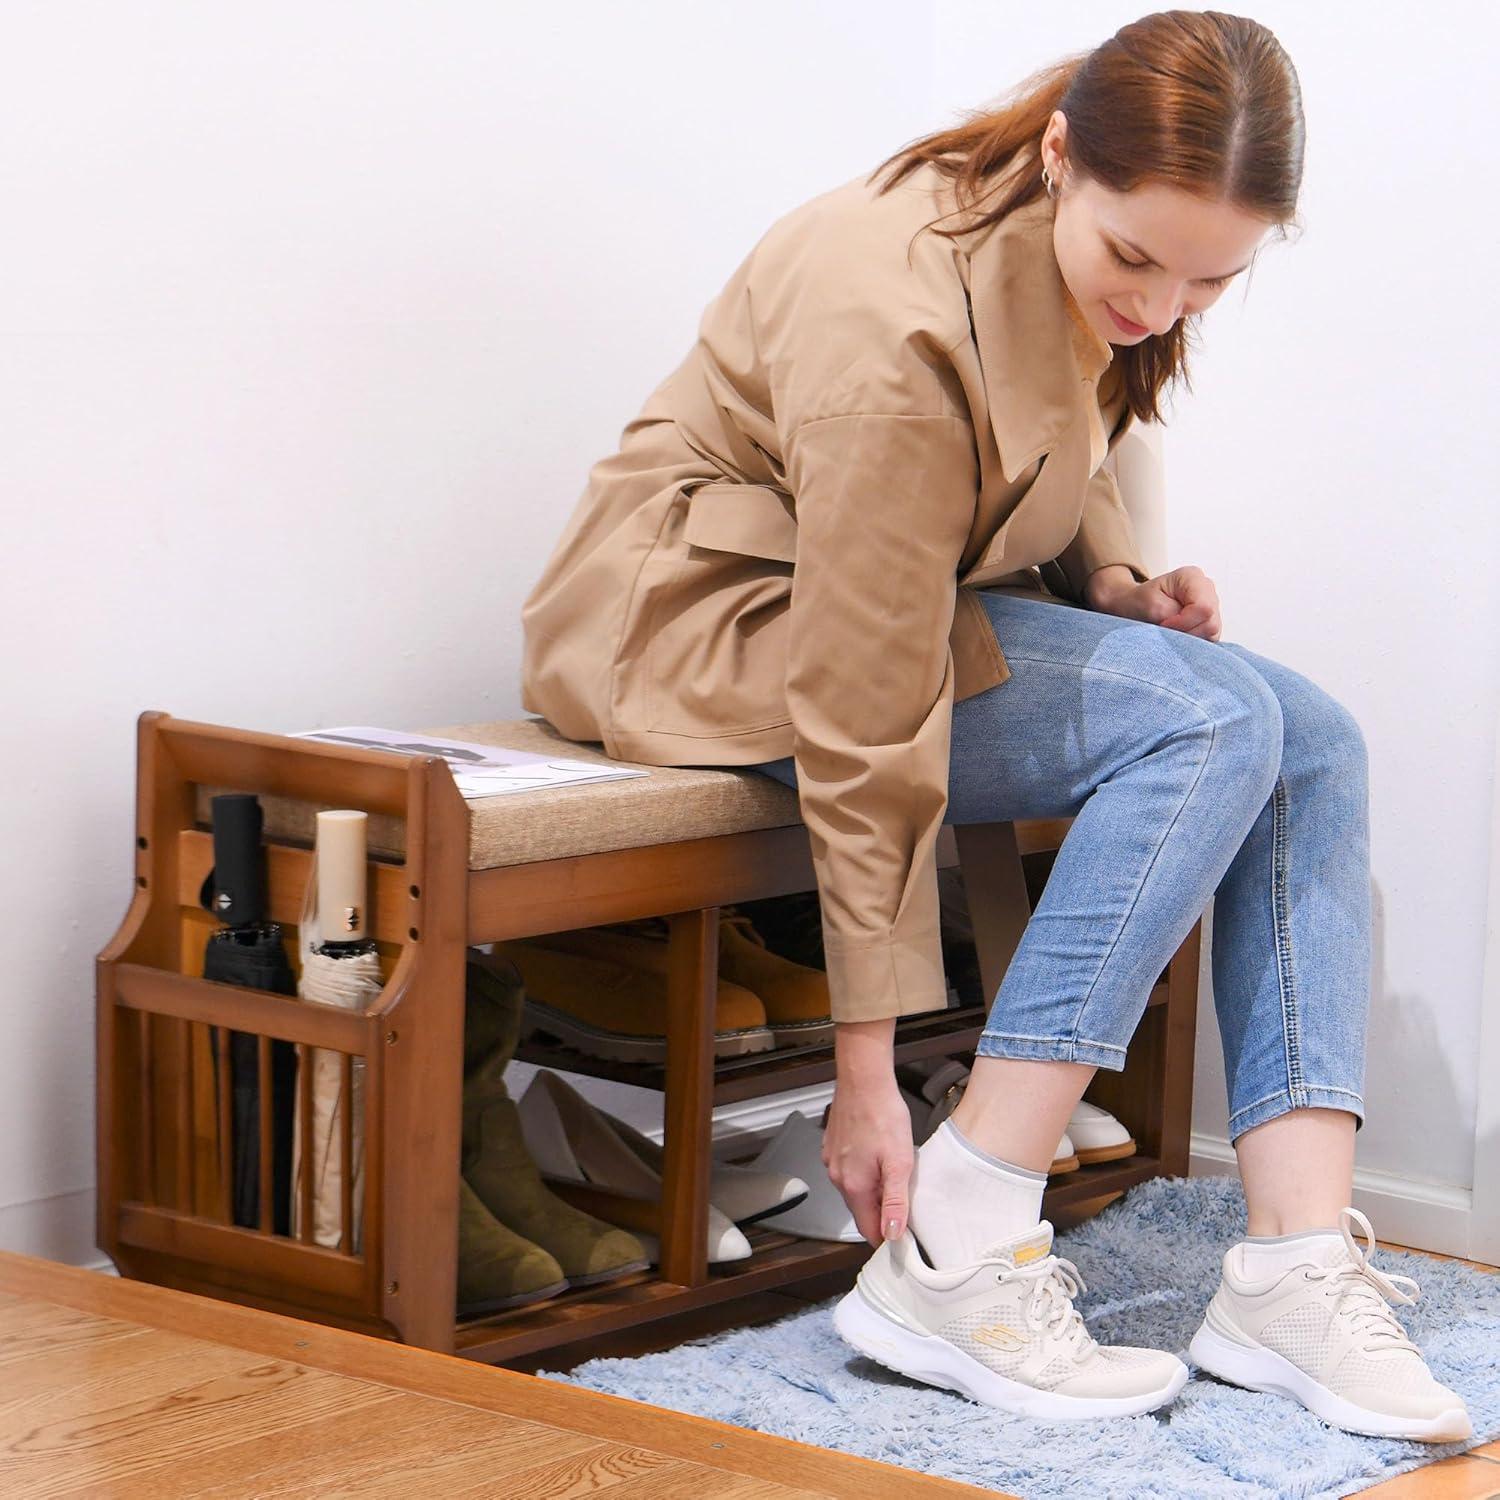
(249, 951)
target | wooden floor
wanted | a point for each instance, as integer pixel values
(116, 1390)
(111, 1388)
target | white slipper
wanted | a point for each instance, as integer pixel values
(569, 1139)
(1098, 1135)
(745, 1194)
(797, 1147)
(1066, 1159)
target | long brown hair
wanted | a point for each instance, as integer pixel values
(1199, 100)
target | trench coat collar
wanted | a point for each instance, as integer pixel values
(1040, 359)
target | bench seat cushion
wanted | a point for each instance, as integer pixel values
(669, 805)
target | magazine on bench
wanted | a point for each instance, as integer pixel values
(479, 770)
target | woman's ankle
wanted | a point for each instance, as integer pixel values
(1017, 1109)
(964, 1200)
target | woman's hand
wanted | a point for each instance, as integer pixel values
(1184, 599)
(867, 1148)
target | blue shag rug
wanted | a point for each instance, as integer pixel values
(1151, 1262)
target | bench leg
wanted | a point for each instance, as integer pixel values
(692, 991)
(995, 883)
(412, 1146)
(1178, 1044)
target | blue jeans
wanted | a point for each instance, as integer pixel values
(1191, 769)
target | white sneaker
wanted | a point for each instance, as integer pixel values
(1003, 1331)
(1322, 1333)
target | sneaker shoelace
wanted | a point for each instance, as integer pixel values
(1365, 1292)
(1048, 1308)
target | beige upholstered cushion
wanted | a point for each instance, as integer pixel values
(666, 806)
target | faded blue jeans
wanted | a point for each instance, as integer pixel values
(1191, 769)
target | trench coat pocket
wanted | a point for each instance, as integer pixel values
(754, 520)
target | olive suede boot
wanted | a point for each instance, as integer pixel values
(496, 1163)
(496, 1268)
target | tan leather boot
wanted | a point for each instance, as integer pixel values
(604, 992)
(794, 995)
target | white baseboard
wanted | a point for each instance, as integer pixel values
(1402, 1210)
(58, 1228)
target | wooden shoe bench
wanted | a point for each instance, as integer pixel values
(444, 874)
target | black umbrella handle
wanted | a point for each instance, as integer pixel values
(239, 872)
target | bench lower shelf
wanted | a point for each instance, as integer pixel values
(777, 1260)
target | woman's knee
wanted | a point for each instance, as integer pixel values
(1317, 728)
(1326, 731)
(1248, 723)
(1220, 699)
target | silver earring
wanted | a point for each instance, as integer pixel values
(1048, 183)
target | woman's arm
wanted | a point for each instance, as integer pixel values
(1105, 539)
(884, 504)
(865, 1049)
(1106, 584)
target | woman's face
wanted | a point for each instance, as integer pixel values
(1136, 262)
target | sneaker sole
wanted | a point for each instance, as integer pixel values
(1260, 1369)
(935, 1361)
(620, 1046)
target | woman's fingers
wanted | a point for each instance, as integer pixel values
(862, 1197)
(880, 1205)
(865, 1206)
(1193, 621)
(893, 1201)
(867, 1149)
(1198, 603)
(879, 1199)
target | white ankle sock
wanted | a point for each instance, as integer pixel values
(1264, 1256)
(965, 1201)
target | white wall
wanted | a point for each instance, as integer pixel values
(353, 294)
(1332, 474)
(378, 282)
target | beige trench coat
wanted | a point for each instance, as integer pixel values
(781, 557)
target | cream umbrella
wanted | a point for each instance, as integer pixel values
(340, 966)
